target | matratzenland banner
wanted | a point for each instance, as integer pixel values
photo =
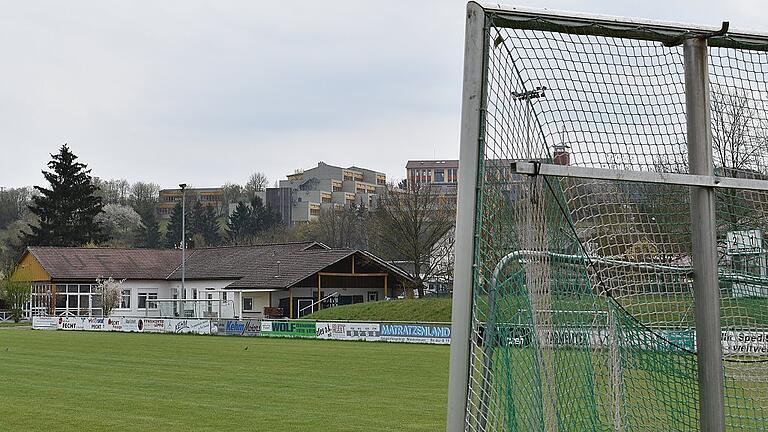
(416, 333)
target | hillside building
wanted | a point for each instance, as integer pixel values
(209, 197)
(303, 195)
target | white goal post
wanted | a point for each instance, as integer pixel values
(509, 51)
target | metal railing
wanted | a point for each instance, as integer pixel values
(312, 306)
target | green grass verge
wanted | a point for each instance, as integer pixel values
(424, 310)
(18, 324)
(88, 381)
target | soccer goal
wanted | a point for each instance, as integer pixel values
(610, 273)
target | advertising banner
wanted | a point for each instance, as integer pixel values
(197, 326)
(44, 323)
(416, 333)
(591, 337)
(565, 337)
(151, 325)
(241, 327)
(739, 343)
(71, 323)
(747, 343)
(131, 324)
(303, 329)
(94, 324)
(114, 324)
(348, 331)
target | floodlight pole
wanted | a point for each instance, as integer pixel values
(706, 291)
(475, 45)
(183, 292)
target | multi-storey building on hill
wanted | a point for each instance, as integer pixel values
(304, 194)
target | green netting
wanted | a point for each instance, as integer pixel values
(583, 312)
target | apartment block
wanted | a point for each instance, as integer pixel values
(436, 172)
(209, 197)
(302, 196)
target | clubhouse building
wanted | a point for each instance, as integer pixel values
(272, 280)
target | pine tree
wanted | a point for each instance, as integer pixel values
(211, 228)
(259, 216)
(173, 231)
(196, 221)
(66, 211)
(238, 224)
(149, 233)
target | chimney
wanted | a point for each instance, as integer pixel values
(561, 155)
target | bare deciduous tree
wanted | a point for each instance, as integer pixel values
(740, 149)
(343, 227)
(415, 223)
(257, 182)
(144, 197)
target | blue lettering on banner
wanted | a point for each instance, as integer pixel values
(235, 327)
(243, 328)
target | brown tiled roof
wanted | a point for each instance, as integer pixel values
(68, 263)
(243, 262)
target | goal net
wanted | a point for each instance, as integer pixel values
(575, 196)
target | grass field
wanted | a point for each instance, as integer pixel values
(13, 324)
(88, 381)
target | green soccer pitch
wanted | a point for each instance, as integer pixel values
(88, 381)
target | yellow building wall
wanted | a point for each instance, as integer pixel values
(30, 270)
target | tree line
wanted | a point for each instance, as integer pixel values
(412, 223)
(78, 209)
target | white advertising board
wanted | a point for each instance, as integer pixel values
(71, 323)
(152, 325)
(348, 331)
(197, 326)
(44, 323)
(95, 324)
(131, 324)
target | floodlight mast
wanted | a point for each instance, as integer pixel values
(183, 292)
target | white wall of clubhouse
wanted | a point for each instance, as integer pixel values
(163, 289)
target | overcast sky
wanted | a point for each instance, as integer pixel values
(209, 92)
